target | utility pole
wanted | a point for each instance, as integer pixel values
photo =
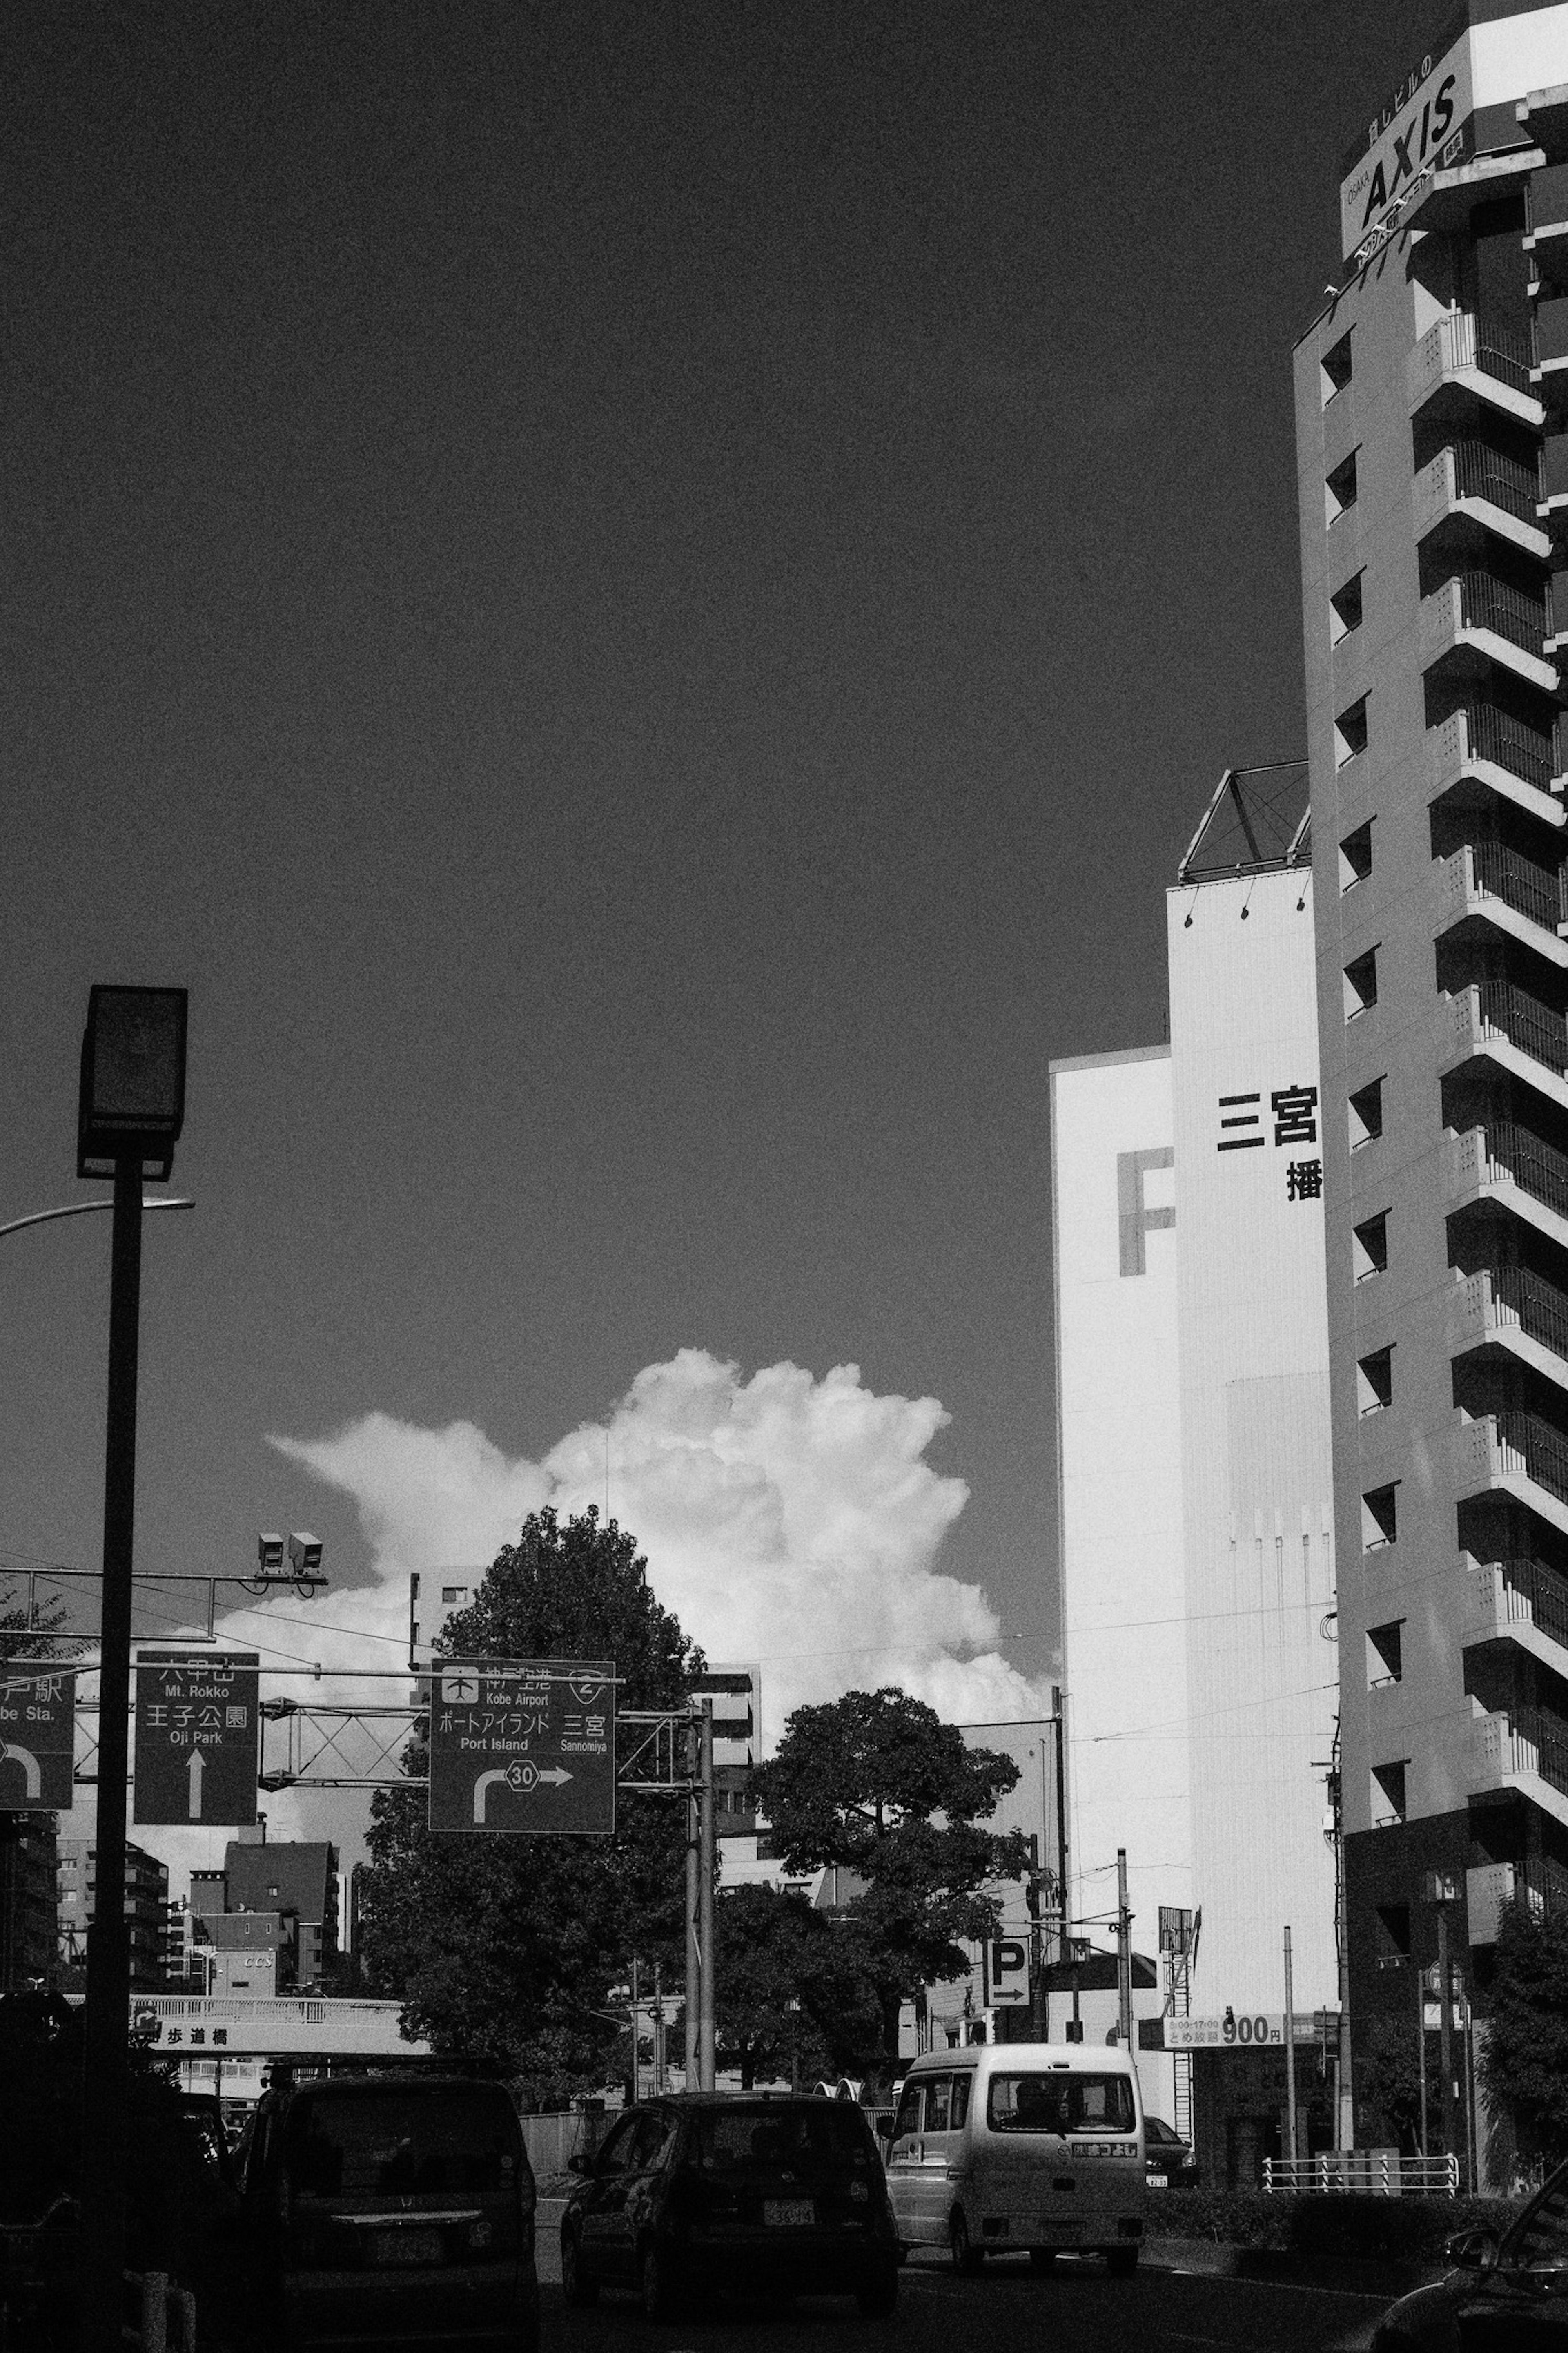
(1421, 2050)
(1445, 2027)
(1058, 1705)
(659, 2030)
(637, 2021)
(1290, 2062)
(1344, 2121)
(693, 1867)
(1123, 1952)
(707, 2044)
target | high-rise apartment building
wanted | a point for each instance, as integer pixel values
(146, 1900)
(1432, 430)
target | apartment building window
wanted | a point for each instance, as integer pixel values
(1375, 1381)
(1339, 488)
(1366, 1114)
(1360, 985)
(1344, 609)
(1369, 1247)
(1380, 1517)
(1351, 733)
(1335, 368)
(1388, 1802)
(1355, 857)
(1384, 1654)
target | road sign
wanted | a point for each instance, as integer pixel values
(195, 1738)
(523, 1744)
(1238, 2030)
(37, 1743)
(1006, 1971)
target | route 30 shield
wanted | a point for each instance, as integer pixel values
(523, 1746)
(37, 1743)
(197, 1726)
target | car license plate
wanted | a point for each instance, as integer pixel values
(407, 2247)
(1158, 2181)
(788, 2213)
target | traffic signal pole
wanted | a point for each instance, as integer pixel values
(107, 2075)
(706, 2050)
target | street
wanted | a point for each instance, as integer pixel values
(1075, 2309)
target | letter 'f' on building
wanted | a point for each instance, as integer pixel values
(1134, 1216)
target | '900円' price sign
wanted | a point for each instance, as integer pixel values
(525, 1745)
(197, 1727)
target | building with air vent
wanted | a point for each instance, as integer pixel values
(1432, 430)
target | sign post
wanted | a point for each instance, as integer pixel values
(197, 1727)
(37, 1743)
(525, 1746)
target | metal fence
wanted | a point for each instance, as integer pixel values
(1545, 1590)
(1525, 752)
(1382, 2172)
(1531, 889)
(1486, 603)
(1534, 1028)
(1541, 1307)
(1537, 1167)
(1541, 1445)
(1483, 473)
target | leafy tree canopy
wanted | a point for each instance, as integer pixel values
(507, 1948)
(876, 1784)
(795, 1998)
(1524, 2061)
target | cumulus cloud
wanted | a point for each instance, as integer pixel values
(786, 1520)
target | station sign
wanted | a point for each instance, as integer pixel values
(523, 1746)
(197, 1720)
(38, 1742)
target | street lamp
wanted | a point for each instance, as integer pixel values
(130, 1111)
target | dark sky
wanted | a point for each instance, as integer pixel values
(640, 600)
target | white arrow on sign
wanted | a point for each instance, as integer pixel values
(33, 1780)
(197, 1768)
(523, 1776)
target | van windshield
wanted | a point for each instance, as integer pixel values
(405, 2142)
(1061, 2102)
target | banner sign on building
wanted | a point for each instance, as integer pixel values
(37, 1743)
(523, 1746)
(1421, 127)
(1237, 2032)
(197, 1717)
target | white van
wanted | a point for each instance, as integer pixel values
(1014, 2144)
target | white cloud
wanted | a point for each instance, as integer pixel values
(785, 1520)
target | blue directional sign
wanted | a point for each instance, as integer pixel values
(525, 1745)
(197, 1726)
(38, 1742)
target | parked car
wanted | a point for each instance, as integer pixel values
(392, 2209)
(772, 2195)
(1511, 2291)
(1167, 2158)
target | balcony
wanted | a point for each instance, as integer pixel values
(1492, 1886)
(1476, 620)
(1463, 360)
(1514, 759)
(1522, 1598)
(1520, 1310)
(1513, 1166)
(1502, 887)
(1472, 485)
(1549, 339)
(1517, 1030)
(1518, 1453)
(1529, 1745)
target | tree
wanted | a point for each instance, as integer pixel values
(1524, 2060)
(794, 1999)
(507, 1948)
(878, 1784)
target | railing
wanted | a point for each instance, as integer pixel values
(1536, 1168)
(1542, 1448)
(1526, 751)
(1548, 1736)
(1525, 1022)
(1531, 889)
(1506, 482)
(1542, 1593)
(1497, 350)
(1486, 603)
(1383, 2171)
(1540, 1308)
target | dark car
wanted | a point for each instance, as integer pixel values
(769, 2196)
(394, 2209)
(1167, 2157)
(1506, 2297)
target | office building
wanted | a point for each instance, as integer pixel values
(146, 1911)
(1432, 434)
(286, 1894)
